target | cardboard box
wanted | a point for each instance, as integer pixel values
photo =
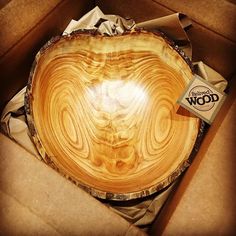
(36, 199)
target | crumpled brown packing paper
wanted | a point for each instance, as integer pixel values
(140, 212)
(174, 27)
(105, 24)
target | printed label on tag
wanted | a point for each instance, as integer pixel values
(202, 99)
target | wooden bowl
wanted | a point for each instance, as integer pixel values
(102, 111)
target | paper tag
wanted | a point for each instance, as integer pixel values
(202, 99)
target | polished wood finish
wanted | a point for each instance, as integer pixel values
(102, 111)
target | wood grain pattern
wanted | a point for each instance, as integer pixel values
(103, 112)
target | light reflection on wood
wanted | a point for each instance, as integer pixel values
(105, 110)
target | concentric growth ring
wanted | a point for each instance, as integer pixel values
(104, 113)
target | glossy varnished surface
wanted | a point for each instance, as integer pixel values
(104, 111)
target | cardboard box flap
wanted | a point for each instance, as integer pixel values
(204, 202)
(49, 199)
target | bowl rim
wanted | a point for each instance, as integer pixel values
(93, 190)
